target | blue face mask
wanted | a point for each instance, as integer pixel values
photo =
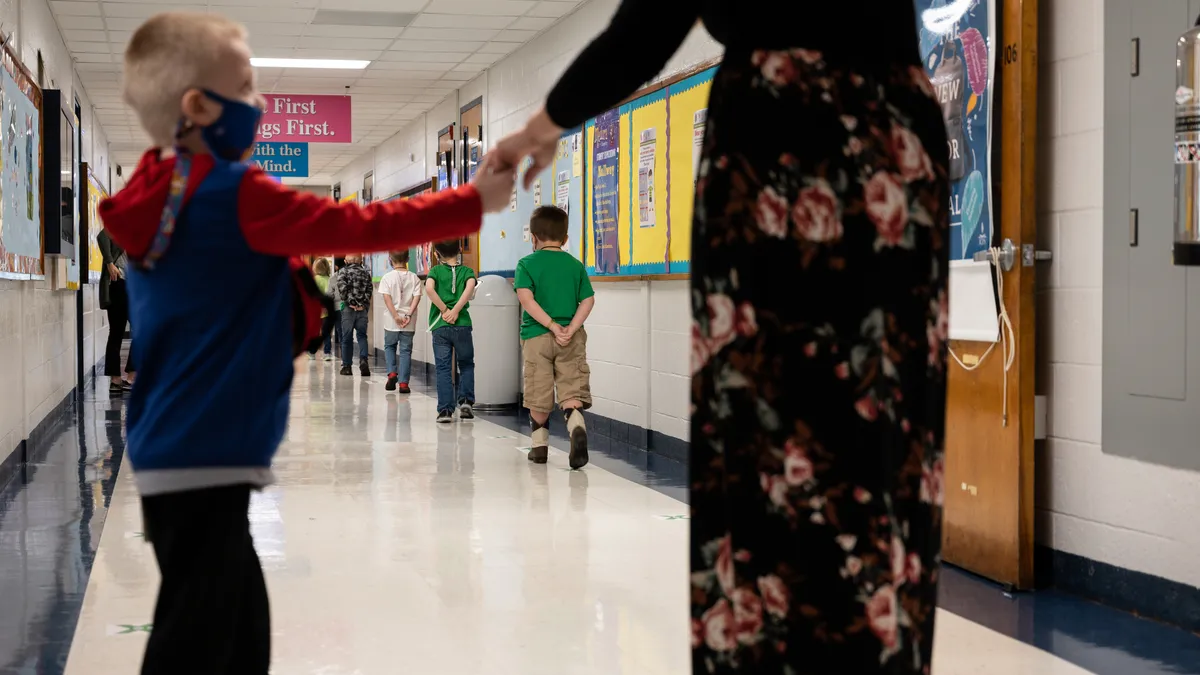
(232, 136)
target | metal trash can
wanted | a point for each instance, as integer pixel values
(496, 321)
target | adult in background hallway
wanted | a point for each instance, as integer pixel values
(115, 301)
(819, 270)
(355, 290)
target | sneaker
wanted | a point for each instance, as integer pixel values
(445, 417)
(391, 382)
(403, 387)
(312, 357)
(465, 412)
(126, 385)
(364, 368)
(579, 442)
(347, 370)
(116, 387)
(328, 357)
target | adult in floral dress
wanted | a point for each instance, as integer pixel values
(819, 269)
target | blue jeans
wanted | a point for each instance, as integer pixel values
(454, 342)
(402, 342)
(353, 322)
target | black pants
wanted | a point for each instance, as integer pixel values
(212, 615)
(118, 316)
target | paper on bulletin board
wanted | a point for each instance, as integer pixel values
(646, 155)
(537, 192)
(577, 154)
(973, 313)
(699, 121)
(562, 191)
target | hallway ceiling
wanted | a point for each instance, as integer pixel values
(420, 51)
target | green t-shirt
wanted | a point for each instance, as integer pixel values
(450, 283)
(559, 283)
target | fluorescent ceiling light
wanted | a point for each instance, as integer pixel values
(329, 64)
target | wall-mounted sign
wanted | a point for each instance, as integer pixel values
(286, 160)
(306, 118)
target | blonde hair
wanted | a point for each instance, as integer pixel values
(169, 54)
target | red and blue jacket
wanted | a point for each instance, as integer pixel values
(212, 319)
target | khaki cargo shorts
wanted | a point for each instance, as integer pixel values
(549, 367)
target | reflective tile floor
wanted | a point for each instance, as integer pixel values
(394, 545)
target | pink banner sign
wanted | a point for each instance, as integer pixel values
(306, 118)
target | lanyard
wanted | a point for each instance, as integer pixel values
(170, 214)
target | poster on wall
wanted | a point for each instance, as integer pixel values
(20, 182)
(646, 155)
(958, 53)
(95, 195)
(606, 191)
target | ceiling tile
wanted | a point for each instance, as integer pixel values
(84, 22)
(462, 21)
(90, 48)
(62, 8)
(267, 14)
(353, 55)
(375, 5)
(481, 7)
(448, 34)
(388, 32)
(533, 23)
(515, 35)
(74, 36)
(428, 46)
(142, 11)
(482, 59)
(94, 58)
(447, 58)
(500, 48)
(552, 9)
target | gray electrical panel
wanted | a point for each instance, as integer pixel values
(1151, 371)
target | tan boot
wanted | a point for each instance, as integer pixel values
(539, 453)
(577, 430)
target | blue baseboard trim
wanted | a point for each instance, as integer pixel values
(1136, 592)
(14, 467)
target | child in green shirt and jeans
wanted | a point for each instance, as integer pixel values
(557, 297)
(450, 286)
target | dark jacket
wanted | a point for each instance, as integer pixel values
(110, 251)
(354, 286)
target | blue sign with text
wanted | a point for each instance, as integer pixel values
(286, 160)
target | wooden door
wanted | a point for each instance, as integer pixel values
(989, 489)
(471, 137)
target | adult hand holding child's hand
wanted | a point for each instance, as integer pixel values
(494, 181)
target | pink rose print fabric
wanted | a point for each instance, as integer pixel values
(819, 270)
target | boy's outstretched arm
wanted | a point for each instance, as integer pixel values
(277, 220)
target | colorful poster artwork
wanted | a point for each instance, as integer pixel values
(956, 46)
(646, 155)
(95, 195)
(562, 191)
(699, 122)
(606, 191)
(20, 182)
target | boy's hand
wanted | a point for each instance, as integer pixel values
(450, 316)
(564, 337)
(404, 321)
(559, 333)
(494, 183)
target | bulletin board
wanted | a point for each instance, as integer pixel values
(627, 178)
(418, 256)
(95, 194)
(505, 237)
(642, 160)
(21, 245)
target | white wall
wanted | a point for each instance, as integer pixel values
(1120, 511)
(638, 334)
(37, 324)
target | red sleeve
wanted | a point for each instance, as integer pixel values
(279, 221)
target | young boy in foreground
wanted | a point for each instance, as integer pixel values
(450, 287)
(557, 297)
(215, 351)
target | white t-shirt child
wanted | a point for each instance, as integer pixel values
(404, 289)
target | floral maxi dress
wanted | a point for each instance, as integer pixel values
(819, 269)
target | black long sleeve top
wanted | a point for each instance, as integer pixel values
(643, 34)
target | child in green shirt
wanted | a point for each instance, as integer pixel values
(557, 297)
(450, 286)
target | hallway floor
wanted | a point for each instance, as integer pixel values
(392, 545)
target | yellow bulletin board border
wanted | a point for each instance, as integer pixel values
(656, 135)
(95, 194)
